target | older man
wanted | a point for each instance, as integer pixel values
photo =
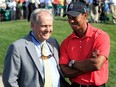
(27, 58)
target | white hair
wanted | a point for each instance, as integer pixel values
(36, 13)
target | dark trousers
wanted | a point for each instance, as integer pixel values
(2, 13)
(56, 9)
(79, 85)
(31, 8)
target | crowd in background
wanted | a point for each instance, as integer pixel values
(99, 10)
(21, 9)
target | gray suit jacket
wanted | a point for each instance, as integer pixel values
(22, 66)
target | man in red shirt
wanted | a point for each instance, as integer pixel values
(84, 53)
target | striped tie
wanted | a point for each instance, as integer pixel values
(47, 68)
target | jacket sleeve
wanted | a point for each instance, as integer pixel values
(11, 67)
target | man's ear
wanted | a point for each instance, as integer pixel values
(32, 24)
(86, 15)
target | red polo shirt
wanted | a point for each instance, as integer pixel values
(75, 48)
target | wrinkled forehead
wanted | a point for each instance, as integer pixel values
(45, 20)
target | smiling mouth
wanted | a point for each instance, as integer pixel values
(47, 33)
(73, 25)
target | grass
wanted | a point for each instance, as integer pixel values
(13, 30)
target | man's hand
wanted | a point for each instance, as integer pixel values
(95, 53)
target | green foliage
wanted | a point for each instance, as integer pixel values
(13, 30)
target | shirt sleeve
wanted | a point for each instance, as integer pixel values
(102, 43)
(64, 58)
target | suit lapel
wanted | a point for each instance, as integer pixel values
(33, 53)
(51, 47)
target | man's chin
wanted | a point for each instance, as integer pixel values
(46, 38)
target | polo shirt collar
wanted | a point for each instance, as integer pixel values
(88, 32)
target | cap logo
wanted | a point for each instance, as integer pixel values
(85, 10)
(71, 6)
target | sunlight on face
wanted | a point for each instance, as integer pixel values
(78, 22)
(43, 29)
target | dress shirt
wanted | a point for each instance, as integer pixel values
(12, 5)
(53, 64)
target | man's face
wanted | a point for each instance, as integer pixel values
(44, 28)
(77, 23)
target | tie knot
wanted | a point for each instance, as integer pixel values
(44, 51)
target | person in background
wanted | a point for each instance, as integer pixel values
(113, 10)
(12, 5)
(66, 3)
(42, 4)
(30, 8)
(55, 4)
(106, 7)
(24, 9)
(84, 53)
(48, 5)
(104, 11)
(2, 4)
(90, 7)
(19, 9)
(2, 9)
(23, 66)
(94, 10)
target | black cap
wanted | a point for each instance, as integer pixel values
(76, 8)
